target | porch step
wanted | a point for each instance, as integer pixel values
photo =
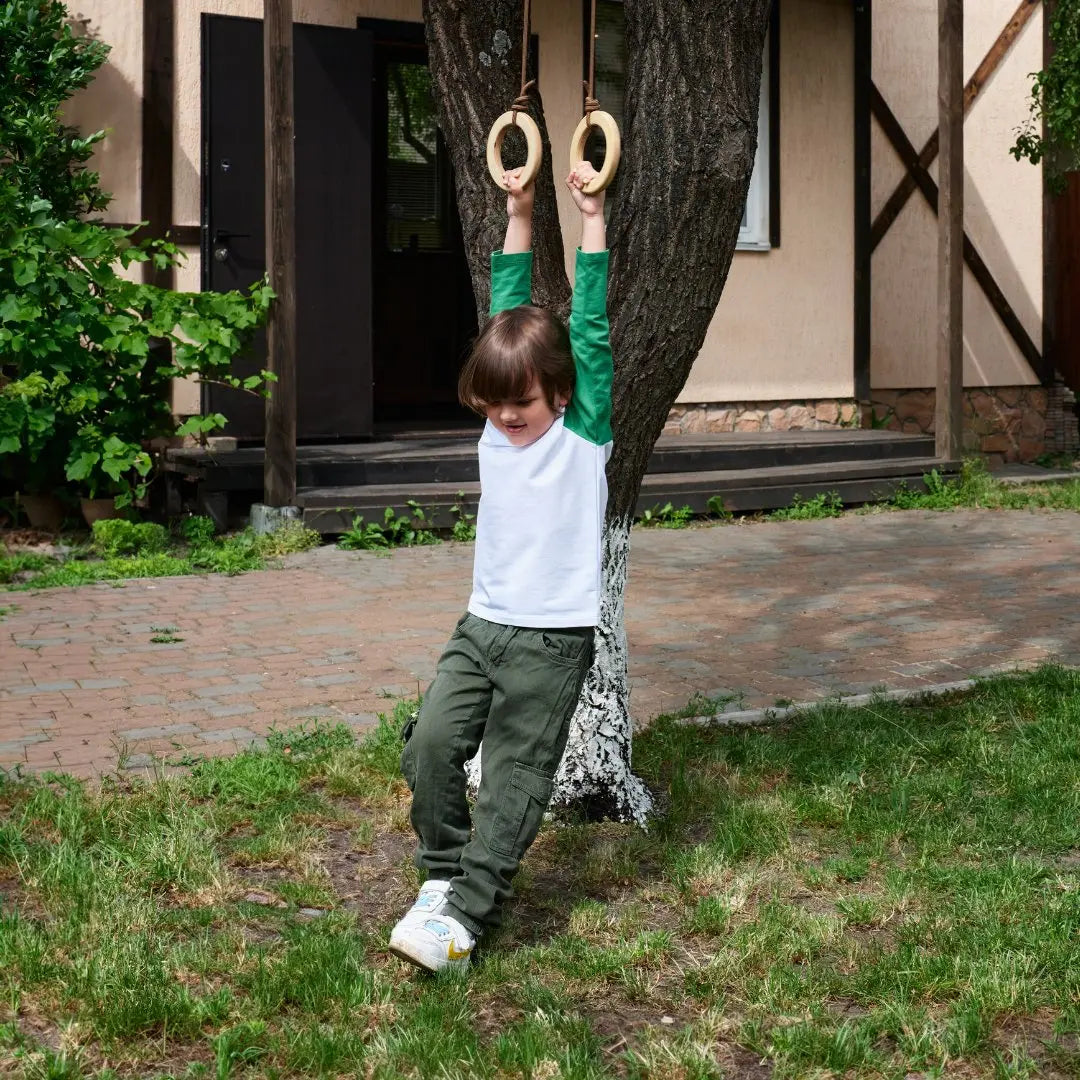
(452, 459)
(331, 509)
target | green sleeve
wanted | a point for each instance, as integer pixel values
(589, 411)
(511, 280)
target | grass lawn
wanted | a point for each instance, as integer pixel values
(889, 891)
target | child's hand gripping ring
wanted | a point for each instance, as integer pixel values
(606, 123)
(528, 128)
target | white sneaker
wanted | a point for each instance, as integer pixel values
(431, 897)
(437, 943)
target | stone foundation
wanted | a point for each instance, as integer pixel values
(820, 415)
(1002, 423)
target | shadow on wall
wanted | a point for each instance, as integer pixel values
(988, 242)
(113, 103)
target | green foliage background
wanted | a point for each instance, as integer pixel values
(1051, 135)
(87, 356)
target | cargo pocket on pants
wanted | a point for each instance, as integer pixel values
(527, 794)
(408, 767)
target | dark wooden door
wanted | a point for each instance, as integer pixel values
(332, 79)
(425, 312)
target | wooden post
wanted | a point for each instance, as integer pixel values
(279, 466)
(863, 155)
(156, 194)
(950, 352)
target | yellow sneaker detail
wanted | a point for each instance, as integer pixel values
(438, 943)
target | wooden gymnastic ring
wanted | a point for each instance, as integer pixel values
(606, 123)
(532, 138)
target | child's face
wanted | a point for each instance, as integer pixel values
(525, 420)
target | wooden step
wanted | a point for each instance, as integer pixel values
(452, 460)
(332, 509)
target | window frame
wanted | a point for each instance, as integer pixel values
(762, 232)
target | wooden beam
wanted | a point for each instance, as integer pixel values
(929, 189)
(862, 155)
(948, 413)
(156, 187)
(1052, 255)
(279, 467)
(904, 190)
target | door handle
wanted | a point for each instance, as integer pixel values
(223, 236)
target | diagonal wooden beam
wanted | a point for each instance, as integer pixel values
(929, 189)
(904, 190)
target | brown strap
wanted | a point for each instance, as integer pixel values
(591, 104)
(522, 100)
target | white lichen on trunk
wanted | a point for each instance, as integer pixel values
(596, 765)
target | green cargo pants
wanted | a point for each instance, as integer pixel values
(515, 689)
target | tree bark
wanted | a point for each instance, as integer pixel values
(474, 52)
(689, 140)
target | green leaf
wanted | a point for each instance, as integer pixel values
(25, 271)
(81, 467)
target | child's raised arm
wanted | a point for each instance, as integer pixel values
(519, 208)
(593, 228)
(589, 411)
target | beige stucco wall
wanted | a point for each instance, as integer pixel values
(784, 326)
(113, 101)
(1003, 211)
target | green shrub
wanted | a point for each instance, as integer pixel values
(363, 536)
(85, 374)
(822, 505)
(292, 536)
(233, 555)
(398, 530)
(198, 531)
(667, 516)
(115, 536)
(23, 561)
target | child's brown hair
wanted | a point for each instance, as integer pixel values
(517, 344)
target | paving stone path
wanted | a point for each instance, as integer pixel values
(797, 611)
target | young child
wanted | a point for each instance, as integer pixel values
(512, 672)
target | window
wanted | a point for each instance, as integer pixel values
(610, 82)
(415, 181)
(754, 234)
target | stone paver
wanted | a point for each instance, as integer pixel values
(786, 611)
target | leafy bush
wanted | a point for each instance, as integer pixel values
(10, 565)
(1051, 133)
(233, 555)
(115, 536)
(822, 505)
(973, 487)
(291, 537)
(363, 536)
(667, 517)
(88, 355)
(395, 530)
(464, 527)
(197, 530)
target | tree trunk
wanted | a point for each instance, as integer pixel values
(595, 771)
(689, 139)
(474, 52)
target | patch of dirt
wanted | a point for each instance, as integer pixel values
(1058, 1056)
(373, 882)
(33, 540)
